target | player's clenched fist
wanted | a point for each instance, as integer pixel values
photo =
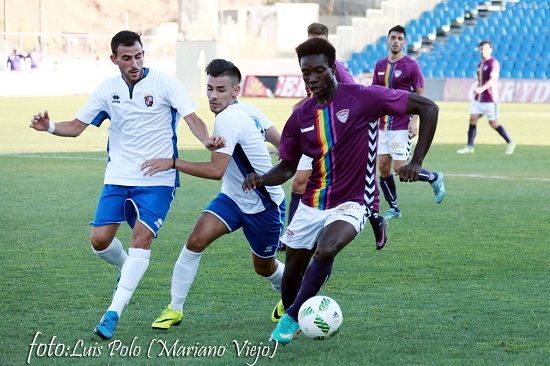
(251, 182)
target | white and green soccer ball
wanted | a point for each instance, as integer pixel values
(320, 317)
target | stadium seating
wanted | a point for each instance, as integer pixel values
(445, 39)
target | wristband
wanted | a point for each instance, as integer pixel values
(173, 163)
(51, 128)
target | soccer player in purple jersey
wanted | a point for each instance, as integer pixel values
(14, 61)
(484, 103)
(337, 127)
(303, 172)
(314, 30)
(399, 71)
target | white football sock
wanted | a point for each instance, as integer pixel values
(114, 254)
(276, 278)
(183, 276)
(130, 275)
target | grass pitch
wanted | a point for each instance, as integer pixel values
(464, 282)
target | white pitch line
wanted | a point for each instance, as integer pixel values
(496, 177)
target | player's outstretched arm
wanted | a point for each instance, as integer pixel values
(279, 174)
(214, 169)
(428, 112)
(199, 129)
(42, 122)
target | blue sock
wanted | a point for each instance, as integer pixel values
(471, 134)
(427, 176)
(317, 273)
(294, 201)
(390, 191)
(502, 132)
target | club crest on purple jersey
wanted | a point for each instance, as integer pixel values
(342, 115)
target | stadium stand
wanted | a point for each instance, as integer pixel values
(445, 39)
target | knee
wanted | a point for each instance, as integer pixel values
(326, 253)
(494, 124)
(196, 243)
(384, 169)
(265, 268)
(100, 241)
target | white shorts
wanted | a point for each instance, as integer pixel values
(489, 110)
(395, 143)
(308, 223)
(305, 163)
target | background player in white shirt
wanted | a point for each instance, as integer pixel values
(143, 107)
(261, 215)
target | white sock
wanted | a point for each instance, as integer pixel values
(130, 275)
(276, 278)
(114, 254)
(183, 276)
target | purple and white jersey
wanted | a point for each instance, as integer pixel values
(340, 136)
(342, 76)
(486, 70)
(14, 62)
(404, 74)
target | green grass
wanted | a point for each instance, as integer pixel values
(464, 282)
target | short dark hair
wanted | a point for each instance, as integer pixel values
(221, 67)
(317, 46)
(125, 38)
(485, 41)
(398, 29)
(317, 29)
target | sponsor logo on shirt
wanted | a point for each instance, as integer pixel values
(148, 99)
(115, 99)
(381, 73)
(342, 115)
(307, 129)
(397, 73)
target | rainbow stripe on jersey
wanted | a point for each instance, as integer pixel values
(387, 120)
(326, 138)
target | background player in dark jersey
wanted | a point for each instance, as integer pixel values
(399, 71)
(484, 103)
(334, 128)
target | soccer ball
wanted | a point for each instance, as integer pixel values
(320, 317)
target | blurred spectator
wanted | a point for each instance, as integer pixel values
(14, 61)
(36, 59)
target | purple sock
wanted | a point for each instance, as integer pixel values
(316, 275)
(390, 191)
(294, 201)
(427, 176)
(471, 134)
(502, 132)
